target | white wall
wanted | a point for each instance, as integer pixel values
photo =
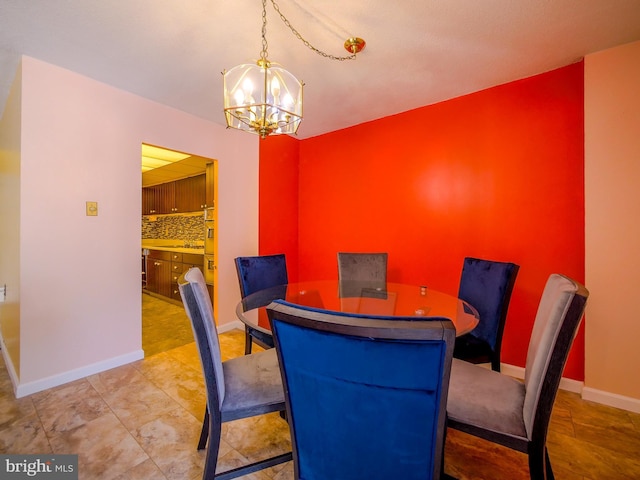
(80, 302)
(612, 250)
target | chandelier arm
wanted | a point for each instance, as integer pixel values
(305, 42)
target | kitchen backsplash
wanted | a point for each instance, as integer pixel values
(175, 227)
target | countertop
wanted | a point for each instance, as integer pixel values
(172, 246)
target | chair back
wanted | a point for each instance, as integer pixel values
(487, 285)
(366, 397)
(358, 271)
(260, 272)
(559, 313)
(197, 304)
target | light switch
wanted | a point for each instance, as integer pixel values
(92, 208)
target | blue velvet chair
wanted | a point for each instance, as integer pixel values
(254, 274)
(487, 285)
(358, 271)
(238, 388)
(516, 414)
(365, 396)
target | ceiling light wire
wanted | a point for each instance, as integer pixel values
(284, 19)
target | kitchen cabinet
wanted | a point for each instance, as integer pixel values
(150, 200)
(181, 262)
(179, 196)
(159, 272)
(190, 195)
(167, 200)
(164, 268)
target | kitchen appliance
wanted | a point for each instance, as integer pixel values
(209, 245)
(145, 253)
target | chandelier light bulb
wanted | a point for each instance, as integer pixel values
(239, 97)
(275, 89)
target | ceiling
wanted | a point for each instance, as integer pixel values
(160, 165)
(418, 52)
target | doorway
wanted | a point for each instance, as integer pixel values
(177, 233)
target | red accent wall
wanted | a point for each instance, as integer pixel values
(497, 174)
(278, 200)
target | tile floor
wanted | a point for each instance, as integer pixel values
(160, 317)
(141, 422)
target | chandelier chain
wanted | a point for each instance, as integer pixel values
(297, 34)
(263, 53)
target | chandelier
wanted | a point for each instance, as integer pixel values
(264, 98)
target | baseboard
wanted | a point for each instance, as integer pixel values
(567, 384)
(587, 393)
(233, 325)
(13, 375)
(53, 381)
(611, 399)
(22, 390)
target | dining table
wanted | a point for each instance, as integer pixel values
(396, 300)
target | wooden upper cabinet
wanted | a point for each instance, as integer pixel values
(150, 200)
(181, 196)
(190, 194)
(167, 197)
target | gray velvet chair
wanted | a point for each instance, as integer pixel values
(358, 271)
(238, 388)
(366, 397)
(512, 413)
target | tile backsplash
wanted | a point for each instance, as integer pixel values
(175, 227)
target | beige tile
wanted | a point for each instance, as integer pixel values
(116, 378)
(24, 435)
(171, 441)
(258, 437)
(182, 383)
(285, 473)
(104, 446)
(233, 459)
(14, 408)
(232, 344)
(165, 325)
(188, 356)
(139, 403)
(69, 406)
(146, 470)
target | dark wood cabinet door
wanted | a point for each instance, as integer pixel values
(180, 196)
(167, 194)
(146, 202)
(190, 194)
(150, 200)
(159, 276)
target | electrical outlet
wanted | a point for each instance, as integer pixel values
(3, 293)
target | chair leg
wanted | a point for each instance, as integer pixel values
(539, 465)
(550, 475)
(204, 434)
(213, 447)
(495, 363)
(247, 341)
